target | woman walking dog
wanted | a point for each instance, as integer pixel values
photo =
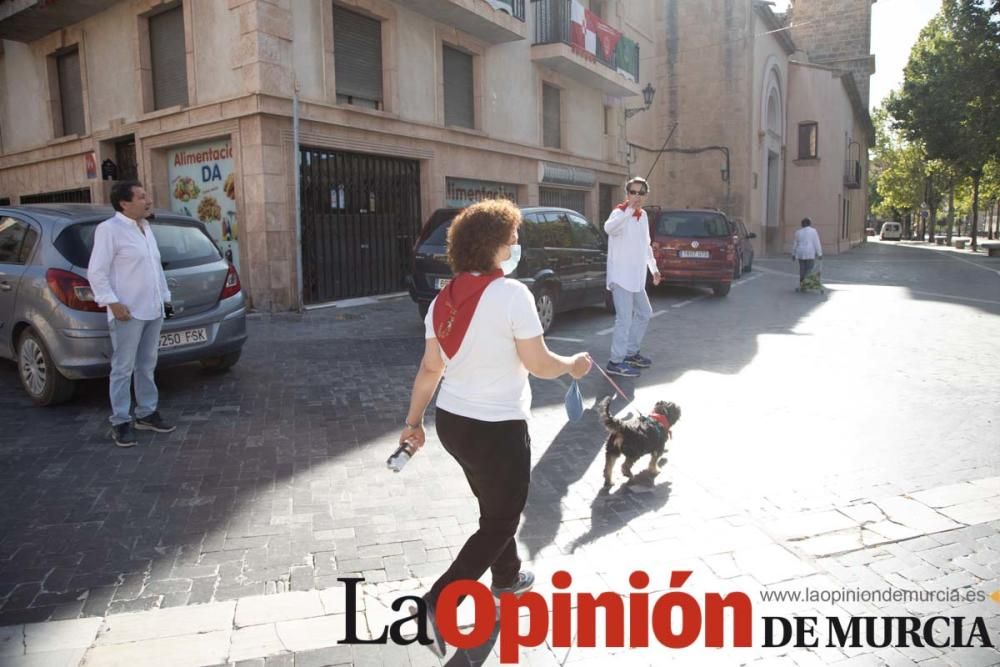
(484, 330)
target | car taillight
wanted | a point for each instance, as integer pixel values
(232, 286)
(73, 290)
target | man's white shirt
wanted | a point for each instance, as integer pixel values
(629, 252)
(125, 268)
(807, 244)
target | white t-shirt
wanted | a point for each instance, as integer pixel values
(486, 380)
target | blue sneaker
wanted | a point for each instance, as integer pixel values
(638, 361)
(623, 369)
(525, 580)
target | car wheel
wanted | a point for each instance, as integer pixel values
(39, 376)
(749, 267)
(221, 363)
(738, 268)
(722, 289)
(545, 302)
(422, 308)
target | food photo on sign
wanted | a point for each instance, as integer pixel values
(203, 186)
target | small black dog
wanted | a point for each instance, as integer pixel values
(637, 437)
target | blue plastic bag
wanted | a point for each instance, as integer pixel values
(574, 402)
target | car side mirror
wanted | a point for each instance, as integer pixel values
(751, 235)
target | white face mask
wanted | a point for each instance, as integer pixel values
(508, 265)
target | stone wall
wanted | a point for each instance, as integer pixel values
(836, 33)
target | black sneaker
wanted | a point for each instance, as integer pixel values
(123, 435)
(525, 580)
(153, 422)
(638, 361)
(623, 369)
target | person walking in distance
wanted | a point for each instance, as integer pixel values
(806, 248)
(629, 256)
(126, 276)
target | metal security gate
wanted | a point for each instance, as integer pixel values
(575, 200)
(81, 196)
(360, 218)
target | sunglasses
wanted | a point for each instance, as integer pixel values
(637, 192)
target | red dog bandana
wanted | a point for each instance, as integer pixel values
(663, 421)
(637, 214)
(455, 306)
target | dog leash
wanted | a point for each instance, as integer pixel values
(608, 378)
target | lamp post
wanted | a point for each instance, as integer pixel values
(923, 221)
(647, 97)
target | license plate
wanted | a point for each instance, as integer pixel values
(698, 254)
(441, 283)
(179, 338)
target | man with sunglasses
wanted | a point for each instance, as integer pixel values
(629, 255)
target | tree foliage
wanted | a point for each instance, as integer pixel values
(950, 99)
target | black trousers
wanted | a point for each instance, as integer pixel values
(496, 459)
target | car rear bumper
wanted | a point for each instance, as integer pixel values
(713, 274)
(86, 353)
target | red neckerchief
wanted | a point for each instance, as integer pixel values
(661, 420)
(455, 306)
(637, 214)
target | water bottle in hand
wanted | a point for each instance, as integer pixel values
(401, 456)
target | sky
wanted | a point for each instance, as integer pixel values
(895, 27)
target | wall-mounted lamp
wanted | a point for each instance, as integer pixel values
(647, 97)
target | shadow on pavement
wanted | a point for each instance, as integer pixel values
(225, 506)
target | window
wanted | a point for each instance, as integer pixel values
(70, 93)
(553, 231)
(459, 104)
(585, 235)
(692, 225)
(808, 141)
(551, 117)
(168, 58)
(181, 244)
(357, 54)
(16, 241)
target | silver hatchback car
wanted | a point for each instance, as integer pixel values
(55, 332)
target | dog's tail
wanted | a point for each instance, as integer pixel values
(609, 420)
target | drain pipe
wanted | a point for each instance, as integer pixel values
(298, 195)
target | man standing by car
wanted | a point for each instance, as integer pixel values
(126, 276)
(629, 255)
(806, 248)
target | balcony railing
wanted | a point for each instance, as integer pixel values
(513, 7)
(852, 174)
(589, 36)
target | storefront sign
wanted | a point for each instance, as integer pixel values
(462, 192)
(203, 185)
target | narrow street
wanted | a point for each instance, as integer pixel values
(827, 442)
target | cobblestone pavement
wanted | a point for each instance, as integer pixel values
(843, 442)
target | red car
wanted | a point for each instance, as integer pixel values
(694, 247)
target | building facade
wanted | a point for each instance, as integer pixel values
(398, 108)
(313, 137)
(766, 116)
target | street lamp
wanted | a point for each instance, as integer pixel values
(647, 97)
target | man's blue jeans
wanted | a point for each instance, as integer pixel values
(136, 345)
(632, 313)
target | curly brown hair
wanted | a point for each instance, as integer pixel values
(478, 232)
